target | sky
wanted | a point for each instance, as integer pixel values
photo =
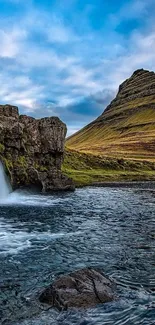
(67, 58)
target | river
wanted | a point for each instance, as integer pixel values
(42, 237)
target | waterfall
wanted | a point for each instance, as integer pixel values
(5, 187)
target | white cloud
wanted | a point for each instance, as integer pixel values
(10, 42)
(65, 100)
(41, 58)
(130, 10)
(58, 32)
(72, 130)
(143, 56)
(84, 78)
(61, 66)
(20, 91)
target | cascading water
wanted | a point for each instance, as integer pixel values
(5, 187)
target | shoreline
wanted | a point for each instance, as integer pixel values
(118, 184)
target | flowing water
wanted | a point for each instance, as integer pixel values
(5, 187)
(42, 237)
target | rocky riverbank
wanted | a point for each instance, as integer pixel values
(32, 150)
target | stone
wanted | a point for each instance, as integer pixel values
(81, 289)
(32, 150)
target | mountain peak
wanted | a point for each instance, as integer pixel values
(140, 85)
(127, 126)
(139, 71)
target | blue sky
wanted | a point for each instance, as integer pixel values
(68, 57)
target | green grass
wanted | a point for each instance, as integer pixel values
(118, 146)
(87, 177)
(2, 148)
(86, 169)
(126, 131)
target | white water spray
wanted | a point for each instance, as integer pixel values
(5, 187)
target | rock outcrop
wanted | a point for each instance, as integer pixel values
(81, 289)
(32, 150)
(138, 87)
(126, 128)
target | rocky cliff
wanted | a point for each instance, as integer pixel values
(32, 150)
(127, 126)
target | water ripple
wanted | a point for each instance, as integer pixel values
(42, 237)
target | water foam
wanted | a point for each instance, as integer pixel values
(13, 240)
(25, 198)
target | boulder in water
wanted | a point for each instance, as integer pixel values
(81, 289)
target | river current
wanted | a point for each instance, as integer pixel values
(42, 237)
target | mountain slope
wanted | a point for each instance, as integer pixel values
(127, 126)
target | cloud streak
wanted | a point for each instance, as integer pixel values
(71, 62)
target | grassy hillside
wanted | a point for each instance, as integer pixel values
(87, 169)
(131, 136)
(127, 127)
(120, 144)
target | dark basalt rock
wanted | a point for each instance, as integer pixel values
(32, 150)
(81, 289)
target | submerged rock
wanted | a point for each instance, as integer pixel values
(84, 288)
(32, 150)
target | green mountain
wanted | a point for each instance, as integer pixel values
(126, 129)
(120, 144)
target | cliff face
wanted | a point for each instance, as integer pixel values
(32, 150)
(127, 126)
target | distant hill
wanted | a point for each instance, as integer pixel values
(126, 128)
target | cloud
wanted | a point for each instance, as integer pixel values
(58, 32)
(10, 41)
(71, 62)
(84, 78)
(140, 57)
(21, 91)
(132, 10)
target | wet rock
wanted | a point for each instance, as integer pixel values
(32, 150)
(81, 289)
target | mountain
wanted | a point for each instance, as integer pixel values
(126, 129)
